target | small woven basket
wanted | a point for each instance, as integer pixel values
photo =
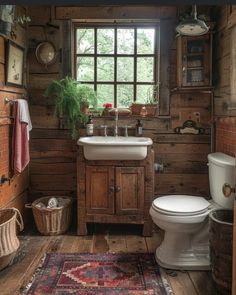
(52, 221)
(9, 242)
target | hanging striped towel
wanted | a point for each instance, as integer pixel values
(20, 143)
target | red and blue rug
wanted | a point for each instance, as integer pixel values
(100, 274)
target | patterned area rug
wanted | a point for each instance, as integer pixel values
(100, 274)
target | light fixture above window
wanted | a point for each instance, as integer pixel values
(192, 26)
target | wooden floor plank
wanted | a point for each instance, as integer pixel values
(154, 241)
(202, 280)
(103, 239)
(55, 245)
(13, 277)
(100, 237)
(82, 244)
(135, 243)
(182, 284)
(66, 244)
(117, 244)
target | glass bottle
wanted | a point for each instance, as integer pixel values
(89, 126)
(139, 128)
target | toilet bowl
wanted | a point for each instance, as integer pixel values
(184, 218)
(185, 245)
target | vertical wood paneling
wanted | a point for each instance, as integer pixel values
(225, 89)
(161, 130)
(167, 40)
(13, 194)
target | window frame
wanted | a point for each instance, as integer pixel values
(116, 26)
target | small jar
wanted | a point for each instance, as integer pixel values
(143, 111)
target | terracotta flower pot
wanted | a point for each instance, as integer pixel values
(85, 108)
(136, 109)
(106, 111)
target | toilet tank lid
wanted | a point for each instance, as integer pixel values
(181, 204)
(221, 159)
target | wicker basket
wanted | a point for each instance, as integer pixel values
(52, 221)
(9, 242)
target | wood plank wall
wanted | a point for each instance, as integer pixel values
(224, 97)
(15, 193)
(53, 153)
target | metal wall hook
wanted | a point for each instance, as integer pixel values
(4, 179)
(8, 100)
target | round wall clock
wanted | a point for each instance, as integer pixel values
(46, 53)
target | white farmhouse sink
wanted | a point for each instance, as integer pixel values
(115, 148)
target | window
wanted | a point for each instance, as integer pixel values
(119, 61)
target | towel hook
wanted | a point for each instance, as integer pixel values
(8, 100)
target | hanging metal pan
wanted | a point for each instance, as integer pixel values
(46, 53)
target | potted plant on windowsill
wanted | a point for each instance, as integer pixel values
(149, 107)
(87, 97)
(70, 98)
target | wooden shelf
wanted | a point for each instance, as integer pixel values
(201, 89)
(194, 68)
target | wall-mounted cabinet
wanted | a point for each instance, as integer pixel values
(194, 61)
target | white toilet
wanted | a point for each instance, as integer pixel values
(184, 219)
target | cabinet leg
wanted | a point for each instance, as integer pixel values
(147, 229)
(82, 229)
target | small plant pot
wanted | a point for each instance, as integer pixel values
(150, 108)
(106, 112)
(85, 108)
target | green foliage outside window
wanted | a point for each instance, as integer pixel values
(122, 67)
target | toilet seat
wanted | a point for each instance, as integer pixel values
(180, 205)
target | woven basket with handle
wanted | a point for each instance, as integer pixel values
(51, 221)
(9, 243)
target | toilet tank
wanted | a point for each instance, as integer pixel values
(221, 170)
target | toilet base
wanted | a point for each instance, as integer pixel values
(183, 252)
(186, 261)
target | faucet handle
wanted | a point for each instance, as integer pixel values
(105, 129)
(126, 130)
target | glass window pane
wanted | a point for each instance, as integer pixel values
(105, 69)
(85, 68)
(125, 69)
(145, 41)
(125, 41)
(85, 41)
(145, 69)
(125, 94)
(105, 41)
(106, 58)
(105, 94)
(142, 93)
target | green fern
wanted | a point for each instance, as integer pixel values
(68, 97)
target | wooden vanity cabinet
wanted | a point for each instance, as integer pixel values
(100, 194)
(115, 192)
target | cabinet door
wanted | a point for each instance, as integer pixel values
(194, 66)
(129, 190)
(100, 189)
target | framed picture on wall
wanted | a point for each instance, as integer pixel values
(14, 64)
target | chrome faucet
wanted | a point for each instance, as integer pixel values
(116, 122)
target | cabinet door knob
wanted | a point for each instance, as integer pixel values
(117, 189)
(112, 189)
